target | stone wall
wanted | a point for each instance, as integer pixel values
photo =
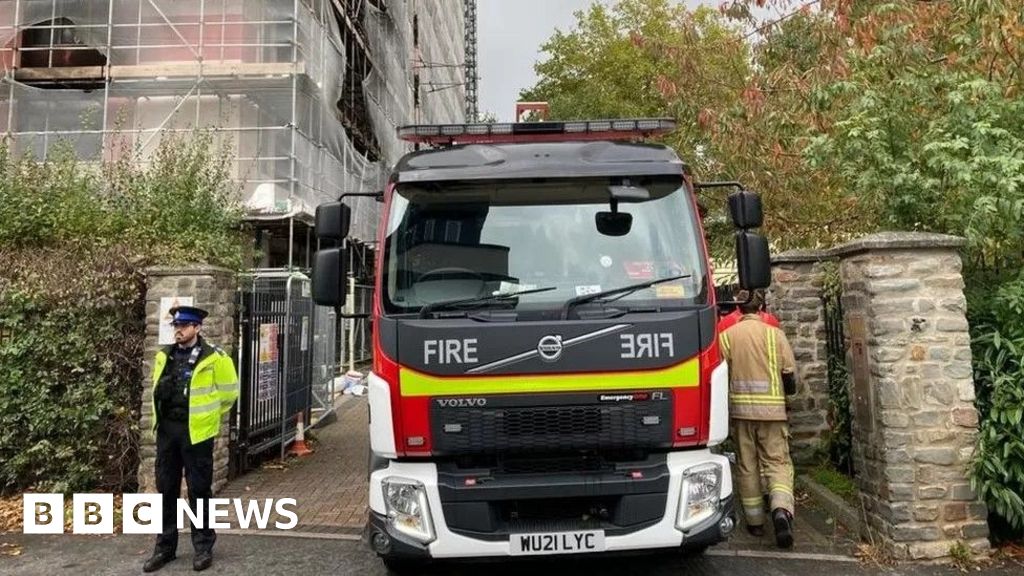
(212, 289)
(795, 298)
(912, 393)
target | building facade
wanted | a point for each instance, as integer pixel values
(306, 95)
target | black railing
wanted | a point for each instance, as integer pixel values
(278, 325)
(841, 439)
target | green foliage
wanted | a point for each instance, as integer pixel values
(74, 238)
(928, 137)
(178, 206)
(848, 117)
(962, 556)
(71, 370)
(644, 58)
(608, 44)
(838, 483)
(997, 472)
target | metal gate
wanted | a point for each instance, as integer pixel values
(286, 363)
(841, 442)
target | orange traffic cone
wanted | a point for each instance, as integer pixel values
(298, 447)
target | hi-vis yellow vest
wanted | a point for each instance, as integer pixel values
(212, 390)
(757, 354)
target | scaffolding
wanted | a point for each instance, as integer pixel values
(472, 103)
(305, 94)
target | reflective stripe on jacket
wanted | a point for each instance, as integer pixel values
(213, 388)
(757, 354)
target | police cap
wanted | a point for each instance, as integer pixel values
(188, 315)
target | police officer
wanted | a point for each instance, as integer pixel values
(761, 370)
(194, 384)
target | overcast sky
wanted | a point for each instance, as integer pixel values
(510, 33)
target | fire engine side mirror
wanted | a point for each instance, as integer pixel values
(753, 262)
(330, 277)
(745, 208)
(332, 222)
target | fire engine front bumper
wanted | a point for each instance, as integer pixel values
(684, 501)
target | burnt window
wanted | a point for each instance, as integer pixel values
(55, 43)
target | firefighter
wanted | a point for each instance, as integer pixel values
(194, 384)
(730, 319)
(761, 370)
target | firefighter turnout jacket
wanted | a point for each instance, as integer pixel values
(758, 354)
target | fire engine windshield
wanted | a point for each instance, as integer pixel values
(465, 241)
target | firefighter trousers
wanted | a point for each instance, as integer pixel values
(174, 453)
(762, 447)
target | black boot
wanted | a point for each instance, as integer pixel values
(202, 561)
(757, 531)
(157, 561)
(783, 521)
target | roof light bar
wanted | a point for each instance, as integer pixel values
(498, 133)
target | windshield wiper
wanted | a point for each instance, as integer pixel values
(620, 292)
(435, 306)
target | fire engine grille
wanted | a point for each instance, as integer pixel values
(566, 428)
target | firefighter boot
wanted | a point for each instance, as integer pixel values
(783, 521)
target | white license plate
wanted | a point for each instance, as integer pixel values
(557, 542)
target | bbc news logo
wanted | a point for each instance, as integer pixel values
(143, 513)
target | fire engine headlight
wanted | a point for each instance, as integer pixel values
(699, 497)
(407, 508)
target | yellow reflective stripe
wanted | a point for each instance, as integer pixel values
(755, 399)
(773, 362)
(204, 408)
(724, 341)
(751, 501)
(753, 513)
(210, 396)
(682, 375)
(232, 387)
(781, 488)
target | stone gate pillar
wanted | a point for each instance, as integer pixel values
(795, 297)
(212, 289)
(914, 421)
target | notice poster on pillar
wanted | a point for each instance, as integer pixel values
(266, 367)
(166, 303)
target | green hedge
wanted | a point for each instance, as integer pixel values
(74, 239)
(71, 370)
(997, 471)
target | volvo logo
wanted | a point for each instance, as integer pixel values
(550, 348)
(461, 402)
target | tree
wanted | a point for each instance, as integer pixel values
(656, 58)
(848, 116)
(916, 111)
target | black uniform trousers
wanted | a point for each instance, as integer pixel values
(174, 451)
